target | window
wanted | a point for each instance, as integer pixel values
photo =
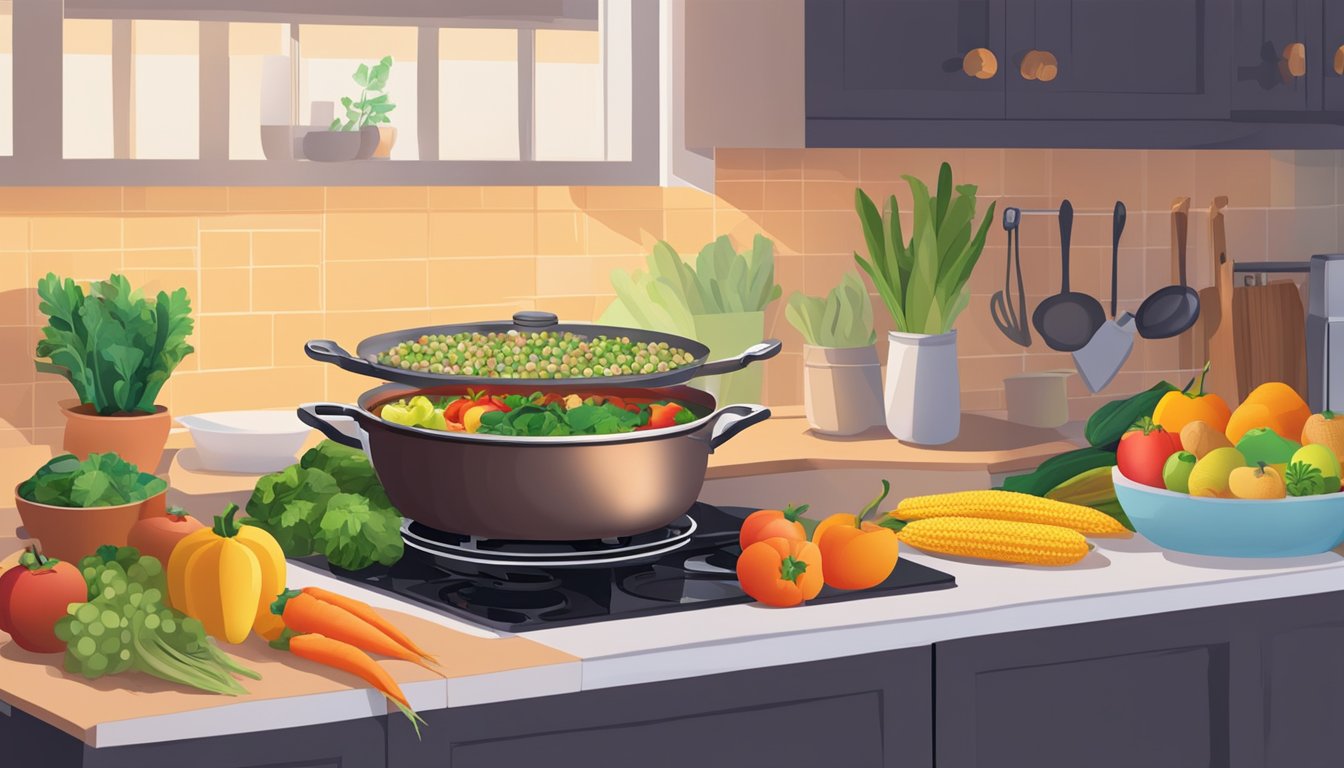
(259, 86)
(86, 89)
(6, 77)
(478, 94)
(166, 95)
(330, 56)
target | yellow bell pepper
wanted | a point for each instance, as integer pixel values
(1177, 409)
(226, 577)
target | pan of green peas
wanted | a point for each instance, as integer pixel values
(537, 348)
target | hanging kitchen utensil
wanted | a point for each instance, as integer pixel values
(1068, 319)
(1012, 322)
(365, 359)
(1219, 329)
(1173, 309)
(1110, 346)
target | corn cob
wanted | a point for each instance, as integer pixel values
(1012, 507)
(1000, 540)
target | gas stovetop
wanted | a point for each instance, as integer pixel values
(519, 586)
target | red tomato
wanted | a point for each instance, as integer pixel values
(34, 596)
(157, 536)
(454, 410)
(499, 402)
(1144, 450)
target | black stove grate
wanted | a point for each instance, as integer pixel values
(517, 598)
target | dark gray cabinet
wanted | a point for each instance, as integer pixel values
(902, 58)
(864, 711)
(1131, 60)
(1257, 684)
(1332, 68)
(1265, 31)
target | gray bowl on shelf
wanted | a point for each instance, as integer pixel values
(340, 146)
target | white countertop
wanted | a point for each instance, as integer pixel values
(1120, 578)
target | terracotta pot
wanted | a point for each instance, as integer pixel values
(842, 389)
(387, 136)
(137, 438)
(70, 533)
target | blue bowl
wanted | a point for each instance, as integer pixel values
(1290, 527)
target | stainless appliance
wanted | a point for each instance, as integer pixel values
(1325, 332)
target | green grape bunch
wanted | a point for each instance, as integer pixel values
(127, 624)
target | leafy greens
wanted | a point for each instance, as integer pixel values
(102, 480)
(330, 503)
(116, 347)
(554, 420)
(844, 318)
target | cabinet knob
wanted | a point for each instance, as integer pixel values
(1040, 65)
(1339, 60)
(980, 63)
(1295, 59)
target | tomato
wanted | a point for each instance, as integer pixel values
(771, 523)
(498, 402)
(453, 413)
(780, 572)
(1143, 452)
(661, 416)
(157, 536)
(33, 597)
(619, 402)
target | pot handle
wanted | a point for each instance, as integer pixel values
(732, 419)
(756, 352)
(328, 351)
(312, 413)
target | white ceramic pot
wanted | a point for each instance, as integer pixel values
(923, 390)
(842, 389)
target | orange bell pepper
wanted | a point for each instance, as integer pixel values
(1176, 409)
(770, 523)
(661, 416)
(780, 572)
(858, 553)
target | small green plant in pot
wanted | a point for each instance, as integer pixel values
(720, 302)
(366, 129)
(922, 282)
(117, 349)
(842, 378)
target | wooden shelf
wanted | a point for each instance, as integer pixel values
(510, 14)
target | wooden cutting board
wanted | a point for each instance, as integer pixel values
(1270, 329)
(1213, 338)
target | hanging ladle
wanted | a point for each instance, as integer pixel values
(1068, 319)
(1173, 309)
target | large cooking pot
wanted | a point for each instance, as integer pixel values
(537, 488)
(365, 359)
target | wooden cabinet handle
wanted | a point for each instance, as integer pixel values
(980, 63)
(1295, 59)
(1040, 65)
(1339, 60)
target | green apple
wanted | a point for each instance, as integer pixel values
(1264, 444)
(1176, 472)
(1323, 459)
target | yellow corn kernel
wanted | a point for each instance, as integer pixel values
(1015, 507)
(1001, 540)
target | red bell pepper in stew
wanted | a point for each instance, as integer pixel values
(1144, 450)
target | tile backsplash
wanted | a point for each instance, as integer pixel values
(269, 268)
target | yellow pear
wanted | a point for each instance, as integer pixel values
(1258, 482)
(1211, 473)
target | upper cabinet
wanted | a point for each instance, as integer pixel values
(1277, 55)
(1117, 59)
(1075, 73)
(905, 59)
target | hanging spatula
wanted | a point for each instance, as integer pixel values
(1110, 346)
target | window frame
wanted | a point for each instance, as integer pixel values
(39, 45)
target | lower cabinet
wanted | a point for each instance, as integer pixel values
(861, 711)
(1256, 684)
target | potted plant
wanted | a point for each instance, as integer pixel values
(366, 131)
(720, 302)
(117, 349)
(923, 284)
(842, 378)
(73, 507)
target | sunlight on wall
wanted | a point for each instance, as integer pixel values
(478, 94)
(569, 112)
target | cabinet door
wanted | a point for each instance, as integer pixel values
(1332, 78)
(1264, 29)
(1151, 691)
(901, 58)
(871, 710)
(1120, 59)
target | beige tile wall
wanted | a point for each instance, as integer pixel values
(270, 268)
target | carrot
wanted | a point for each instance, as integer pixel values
(306, 614)
(348, 658)
(367, 613)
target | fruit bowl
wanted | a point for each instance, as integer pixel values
(1201, 525)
